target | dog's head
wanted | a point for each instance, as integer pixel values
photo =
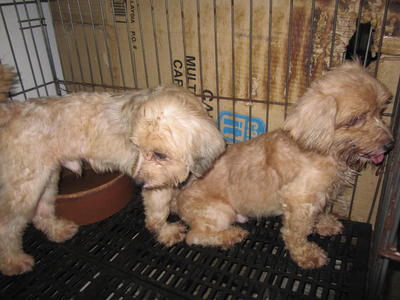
(175, 137)
(341, 113)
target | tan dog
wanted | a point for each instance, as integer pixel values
(158, 135)
(335, 129)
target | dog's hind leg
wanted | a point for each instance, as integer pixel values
(157, 209)
(19, 194)
(208, 237)
(57, 229)
(13, 260)
(211, 225)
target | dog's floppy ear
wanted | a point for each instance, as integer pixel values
(312, 122)
(208, 146)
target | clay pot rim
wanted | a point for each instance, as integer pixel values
(90, 191)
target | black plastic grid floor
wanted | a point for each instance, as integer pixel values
(119, 259)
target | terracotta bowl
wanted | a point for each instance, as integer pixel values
(92, 197)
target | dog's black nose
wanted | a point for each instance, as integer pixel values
(139, 182)
(388, 146)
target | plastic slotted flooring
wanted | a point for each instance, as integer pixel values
(119, 259)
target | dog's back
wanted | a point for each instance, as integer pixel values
(270, 161)
(6, 113)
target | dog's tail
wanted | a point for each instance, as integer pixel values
(7, 77)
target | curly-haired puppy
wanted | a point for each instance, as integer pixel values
(158, 136)
(335, 129)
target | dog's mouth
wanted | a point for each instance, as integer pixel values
(375, 158)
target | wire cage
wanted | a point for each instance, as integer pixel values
(248, 61)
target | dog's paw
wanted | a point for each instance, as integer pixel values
(171, 234)
(224, 239)
(328, 224)
(232, 236)
(17, 264)
(311, 257)
(62, 230)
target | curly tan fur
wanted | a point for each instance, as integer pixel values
(158, 136)
(334, 130)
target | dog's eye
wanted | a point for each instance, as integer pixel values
(388, 100)
(160, 156)
(383, 108)
(356, 120)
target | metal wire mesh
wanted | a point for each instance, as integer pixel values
(27, 46)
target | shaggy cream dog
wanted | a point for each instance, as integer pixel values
(335, 129)
(158, 136)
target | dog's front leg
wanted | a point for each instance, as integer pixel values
(57, 229)
(300, 213)
(157, 209)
